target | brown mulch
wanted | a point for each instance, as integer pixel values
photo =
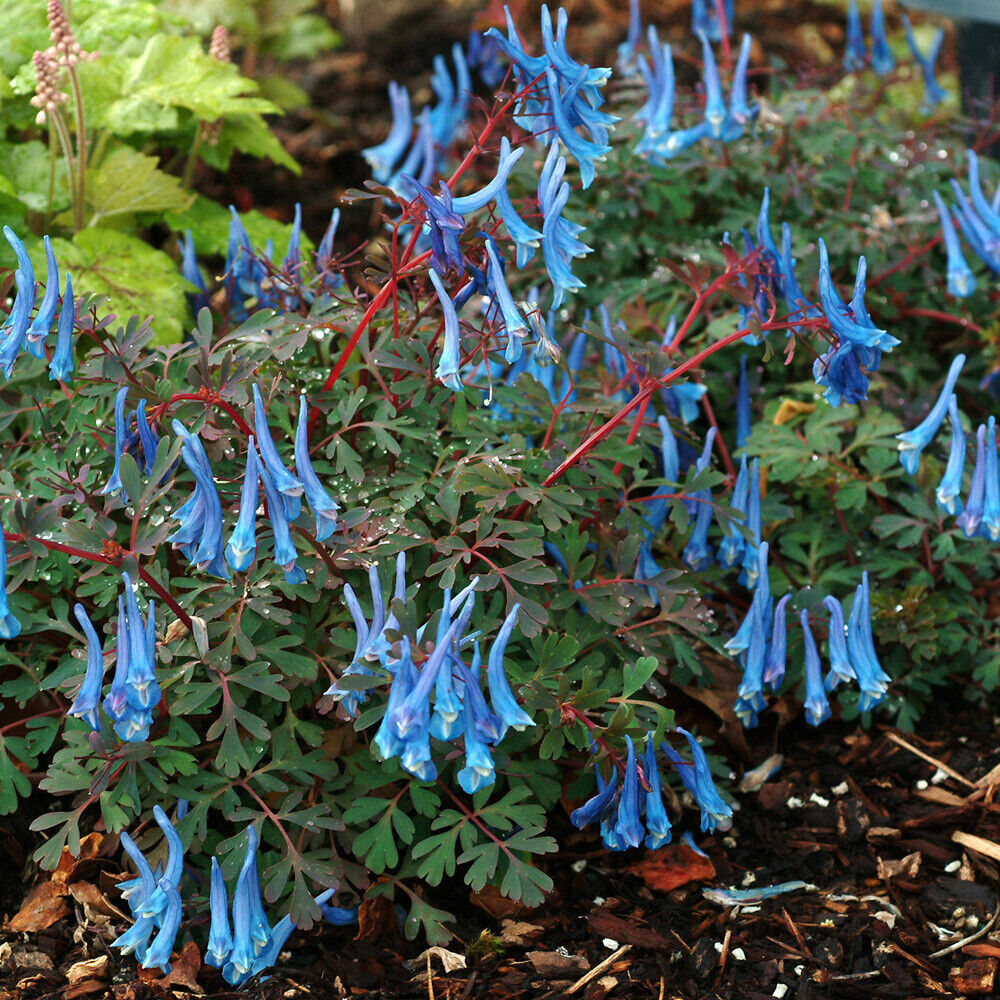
(897, 837)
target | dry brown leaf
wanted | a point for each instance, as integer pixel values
(901, 868)
(376, 920)
(92, 968)
(517, 933)
(551, 963)
(90, 845)
(183, 972)
(672, 866)
(44, 905)
(495, 903)
(450, 960)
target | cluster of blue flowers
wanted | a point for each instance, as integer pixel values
(856, 55)
(725, 122)
(200, 534)
(761, 644)
(705, 18)
(460, 707)
(979, 515)
(251, 281)
(979, 222)
(131, 702)
(19, 330)
(10, 626)
(242, 949)
(621, 806)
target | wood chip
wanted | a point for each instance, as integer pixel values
(93, 968)
(940, 795)
(978, 844)
(552, 964)
(975, 978)
(906, 868)
(517, 933)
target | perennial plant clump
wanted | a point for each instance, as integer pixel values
(299, 528)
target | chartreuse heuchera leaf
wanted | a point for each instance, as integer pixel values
(330, 581)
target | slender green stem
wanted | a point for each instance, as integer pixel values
(81, 148)
(53, 162)
(192, 157)
(62, 131)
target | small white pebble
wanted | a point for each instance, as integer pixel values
(562, 950)
(828, 923)
(972, 922)
(578, 866)
(819, 800)
(889, 919)
(795, 803)
(842, 789)
(921, 785)
(939, 776)
(598, 901)
(610, 943)
(779, 991)
(739, 954)
(748, 879)
(953, 866)
(799, 969)
(749, 909)
(729, 842)
(718, 947)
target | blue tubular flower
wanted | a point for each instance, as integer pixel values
(260, 929)
(980, 236)
(600, 804)
(450, 362)
(627, 50)
(469, 203)
(513, 323)
(403, 681)
(961, 282)
(323, 506)
(841, 668)
(816, 705)
(147, 437)
(340, 916)
(715, 105)
(849, 324)
(115, 701)
(61, 364)
(479, 771)
(158, 955)
(697, 554)
(628, 826)
(883, 61)
(502, 700)
(526, 238)
(121, 434)
(912, 443)
(89, 696)
(486, 723)
(45, 317)
(774, 662)
(448, 719)
(872, 679)
(136, 938)
(855, 54)
(285, 553)
(10, 627)
(559, 236)
(740, 110)
(191, 272)
(796, 302)
(843, 370)
(697, 779)
(949, 490)
(743, 417)
(761, 600)
(384, 157)
(324, 254)
(242, 548)
(731, 549)
(15, 326)
(586, 152)
(704, 17)
(984, 209)
(284, 482)
(136, 891)
(934, 93)
(658, 829)
(990, 526)
(750, 694)
(156, 903)
(243, 952)
(201, 516)
(753, 545)
(220, 937)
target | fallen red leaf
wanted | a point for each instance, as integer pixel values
(671, 866)
(183, 971)
(376, 920)
(44, 905)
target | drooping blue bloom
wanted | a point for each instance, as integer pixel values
(627, 49)
(156, 902)
(750, 693)
(502, 700)
(479, 771)
(658, 110)
(285, 553)
(560, 244)
(323, 506)
(872, 679)
(324, 255)
(855, 54)
(600, 804)
(46, 315)
(158, 954)
(934, 93)
(89, 696)
(244, 273)
(743, 417)
(961, 282)
(404, 679)
(949, 491)
(733, 544)
(697, 554)
(983, 208)
(114, 484)
(15, 327)
(844, 370)
(658, 828)
(752, 546)
(883, 61)
(448, 719)
(741, 111)
(486, 723)
(285, 483)
(715, 104)
(148, 438)
(220, 937)
(628, 826)
(191, 272)
(705, 18)
(513, 324)
(912, 443)
(980, 234)
(242, 548)
(450, 362)
(115, 700)
(990, 526)
(384, 157)
(774, 662)
(61, 364)
(816, 705)
(850, 324)
(10, 627)
(697, 779)
(841, 668)
(795, 301)
(761, 601)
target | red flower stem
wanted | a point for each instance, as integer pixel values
(209, 399)
(905, 261)
(727, 55)
(633, 431)
(719, 443)
(965, 324)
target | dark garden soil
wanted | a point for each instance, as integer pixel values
(897, 838)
